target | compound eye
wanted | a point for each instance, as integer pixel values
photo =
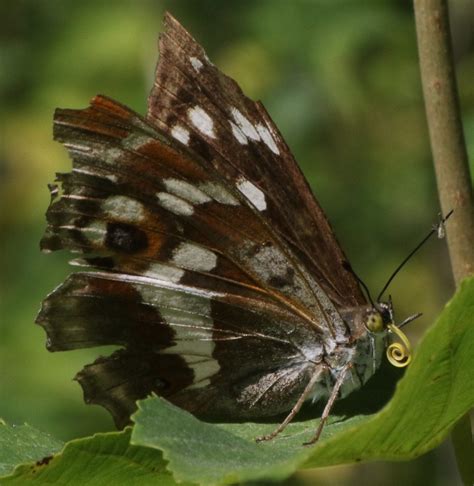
(374, 322)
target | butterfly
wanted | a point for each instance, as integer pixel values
(205, 256)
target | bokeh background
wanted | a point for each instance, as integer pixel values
(341, 80)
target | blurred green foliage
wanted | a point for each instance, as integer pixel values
(340, 78)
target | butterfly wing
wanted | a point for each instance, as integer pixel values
(138, 195)
(215, 291)
(195, 348)
(189, 278)
(200, 106)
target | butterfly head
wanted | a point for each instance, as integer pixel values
(380, 319)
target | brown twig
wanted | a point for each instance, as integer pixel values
(451, 166)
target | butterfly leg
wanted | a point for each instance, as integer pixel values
(329, 404)
(296, 408)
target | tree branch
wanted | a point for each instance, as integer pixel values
(451, 166)
(446, 133)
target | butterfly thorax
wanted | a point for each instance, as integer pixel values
(363, 349)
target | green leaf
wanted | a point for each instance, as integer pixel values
(436, 391)
(23, 443)
(102, 459)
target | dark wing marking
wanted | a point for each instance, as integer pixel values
(200, 106)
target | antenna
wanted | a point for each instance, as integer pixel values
(409, 319)
(438, 229)
(347, 266)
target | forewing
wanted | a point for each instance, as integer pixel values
(136, 198)
(204, 109)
